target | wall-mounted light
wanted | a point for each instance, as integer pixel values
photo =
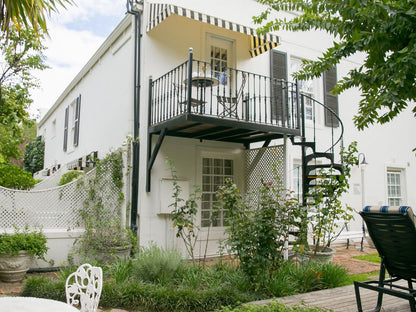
(363, 162)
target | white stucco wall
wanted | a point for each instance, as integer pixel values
(186, 154)
(106, 87)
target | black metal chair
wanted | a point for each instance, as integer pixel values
(230, 103)
(197, 106)
(392, 229)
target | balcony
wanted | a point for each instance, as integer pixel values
(205, 101)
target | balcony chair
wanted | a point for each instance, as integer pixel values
(197, 106)
(83, 288)
(392, 229)
(230, 103)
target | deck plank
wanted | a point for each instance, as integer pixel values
(342, 299)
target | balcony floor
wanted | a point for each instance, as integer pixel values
(203, 127)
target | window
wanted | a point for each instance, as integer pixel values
(65, 147)
(297, 180)
(73, 110)
(305, 87)
(53, 129)
(394, 187)
(77, 111)
(220, 58)
(219, 61)
(214, 173)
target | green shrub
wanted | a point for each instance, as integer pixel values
(196, 276)
(121, 270)
(70, 176)
(34, 242)
(333, 276)
(309, 277)
(195, 288)
(11, 176)
(258, 225)
(43, 287)
(154, 264)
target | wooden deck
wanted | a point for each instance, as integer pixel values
(342, 299)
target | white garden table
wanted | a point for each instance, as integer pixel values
(30, 304)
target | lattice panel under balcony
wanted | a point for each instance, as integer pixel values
(262, 165)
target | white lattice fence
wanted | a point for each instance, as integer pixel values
(54, 208)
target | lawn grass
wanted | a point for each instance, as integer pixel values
(362, 277)
(365, 276)
(369, 257)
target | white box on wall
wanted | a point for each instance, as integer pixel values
(166, 193)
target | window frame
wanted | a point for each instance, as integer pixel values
(402, 197)
(66, 127)
(216, 163)
(296, 182)
(310, 82)
(221, 152)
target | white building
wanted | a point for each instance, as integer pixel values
(137, 85)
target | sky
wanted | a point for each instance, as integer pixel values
(75, 35)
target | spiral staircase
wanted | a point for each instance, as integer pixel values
(313, 159)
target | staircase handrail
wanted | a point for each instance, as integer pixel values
(334, 114)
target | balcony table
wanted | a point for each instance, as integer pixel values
(202, 82)
(31, 304)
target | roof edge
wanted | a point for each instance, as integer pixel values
(108, 42)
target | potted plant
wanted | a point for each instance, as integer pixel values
(106, 244)
(105, 236)
(325, 209)
(17, 251)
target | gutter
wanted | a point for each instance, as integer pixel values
(135, 8)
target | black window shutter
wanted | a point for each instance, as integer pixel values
(66, 129)
(77, 115)
(330, 100)
(278, 73)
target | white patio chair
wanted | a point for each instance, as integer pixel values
(83, 288)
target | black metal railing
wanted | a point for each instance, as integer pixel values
(197, 87)
(325, 141)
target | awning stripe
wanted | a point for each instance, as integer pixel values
(258, 43)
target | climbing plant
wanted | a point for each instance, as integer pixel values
(324, 203)
(184, 213)
(101, 215)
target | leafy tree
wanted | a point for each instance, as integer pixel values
(28, 14)
(34, 155)
(22, 53)
(29, 135)
(383, 30)
(13, 177)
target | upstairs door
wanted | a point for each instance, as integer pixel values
(221, 57)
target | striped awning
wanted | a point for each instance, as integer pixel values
(258, 43)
